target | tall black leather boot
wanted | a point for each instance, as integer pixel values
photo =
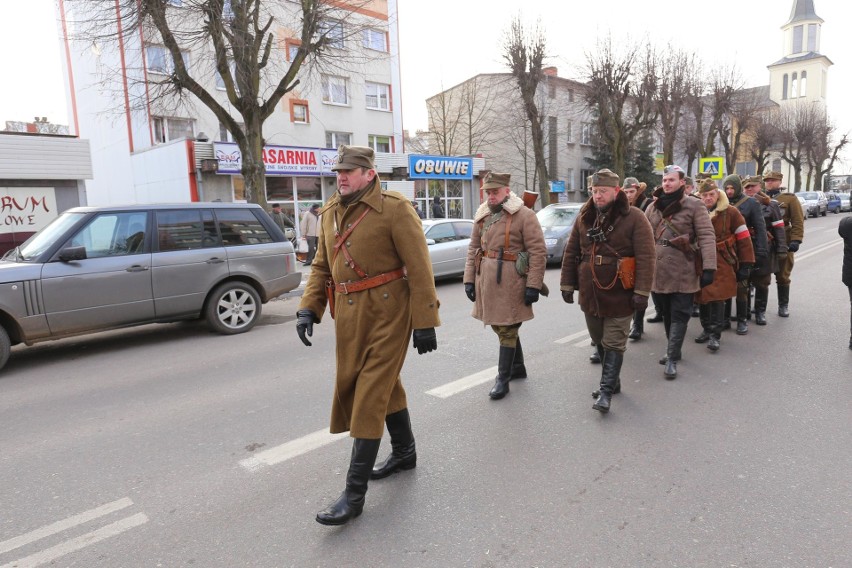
(783, 301)
(519, 370)
(504, 373)
(673, 352)
(704, 318)
(715, 325)
(610, 371)
(351, 502)
(638, 325)
(761, 297)
(742, 320)
(403, 453)
(596, 355)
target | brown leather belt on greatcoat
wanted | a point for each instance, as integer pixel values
(599, 260)
(371, 282)
(510, 256)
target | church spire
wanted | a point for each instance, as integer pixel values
(803, 11)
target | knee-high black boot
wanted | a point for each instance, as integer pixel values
(704, 318)
(783, 301)
(403, 454)
(761, 297)
(610, 377)
(351, 502)
(715, 325)
(742, 320)
(504, 373)
(638, 325)
(519, 370)
(673, 351)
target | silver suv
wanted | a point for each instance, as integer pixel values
(98, 268)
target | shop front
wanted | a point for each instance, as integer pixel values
(445, 178)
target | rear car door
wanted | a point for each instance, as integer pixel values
(111, 287)
(445, 250)
(189, 259)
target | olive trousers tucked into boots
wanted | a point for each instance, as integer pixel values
(351, 502)
(403, 453)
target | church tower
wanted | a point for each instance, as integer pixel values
(802, 74)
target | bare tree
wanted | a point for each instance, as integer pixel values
(823, 150)
(796, 125)
(620, 94)
(445, 121)
(524, 52)
(462, 119)
(676, 69)
(764, 136)
(746, 107)
(246, 56)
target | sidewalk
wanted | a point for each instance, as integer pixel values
(297, 292)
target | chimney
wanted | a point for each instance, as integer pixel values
(549, 71)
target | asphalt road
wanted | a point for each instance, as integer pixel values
(169, 446)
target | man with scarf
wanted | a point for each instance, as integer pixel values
(504, 273)
(776, 241)
(794, 230)
(609, 258)
(734, 259)
(686, 258)
(372, 269)
(753, 215)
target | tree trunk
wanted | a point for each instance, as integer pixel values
(253, 169)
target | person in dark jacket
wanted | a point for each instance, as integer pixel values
(776, 240)
(437, 209)
(757, 227)
(794, 228)
(845, 231)
(608, 235)
(635, 193)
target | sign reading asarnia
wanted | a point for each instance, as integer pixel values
(278, 160)
(439, 167)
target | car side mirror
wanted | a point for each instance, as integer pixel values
(70, 254)
(430, 242)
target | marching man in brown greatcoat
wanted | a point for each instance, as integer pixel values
(610, 259)
(372, 267)
(504, 273)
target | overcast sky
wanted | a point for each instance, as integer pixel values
(444, 42)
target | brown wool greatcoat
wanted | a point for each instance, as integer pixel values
(727, 221)
(630, 236)
(373, 326)
(675, 273)
(503, 304)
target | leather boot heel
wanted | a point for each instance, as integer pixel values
(504, 373)
(350, 504)
(403, 451)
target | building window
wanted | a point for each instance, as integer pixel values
(584, 178)
(335, 90)
(551, 90)
(375, 39)
(586, 134)
(803, 84)
(569, 132)
(177, 3)
(220, 83)
(168, 129)
(794, 86)
(784, 87)
(337, 139)
(569, 179)
(570, 95)
(333, 31)
(225, 134)
(378, 96)
(299, 111)
(379, 143)
(291, 47)
(159, 60)
(552, 142)
(797, 39)
(812, 33)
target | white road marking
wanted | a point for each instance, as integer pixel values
(463, 384)
(572, 337)
(818, 250)
(584, 342)
(291, 449)
(78, 543)
(63, 525)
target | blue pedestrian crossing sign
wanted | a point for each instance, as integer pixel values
(713, 166)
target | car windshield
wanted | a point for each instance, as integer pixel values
(809, 195)
(46, 238)
(557, 217)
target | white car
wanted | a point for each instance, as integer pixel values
(448, 241)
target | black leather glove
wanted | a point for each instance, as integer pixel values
(639, 302)
(305, 320)
(425, 340)
(568, 297)
(743, 271)
(470, 290)
(707, 278)
(530, 296)
(793, 246)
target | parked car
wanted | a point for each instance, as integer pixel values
(557, 220)
(833, 202)
(804, 206)
(815, 203)
(98, 268)
(448, 241)
(845, 203)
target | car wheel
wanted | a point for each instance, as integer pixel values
(5, 347)
(232, 307)
(824, 213)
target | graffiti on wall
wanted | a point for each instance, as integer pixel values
(26, 209)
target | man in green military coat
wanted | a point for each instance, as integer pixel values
(372, 267)
(794, 229)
